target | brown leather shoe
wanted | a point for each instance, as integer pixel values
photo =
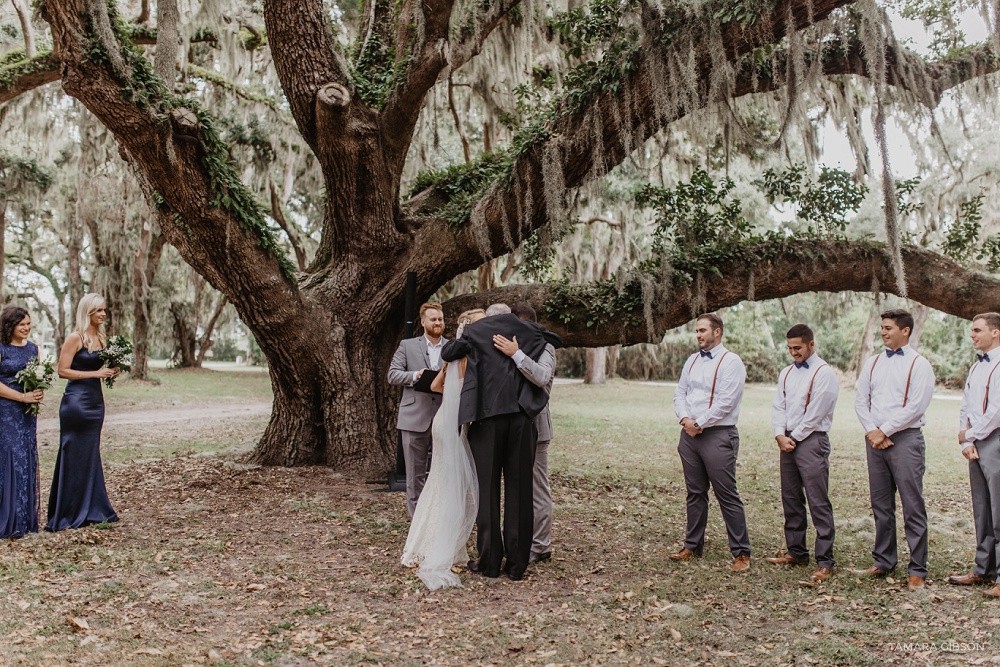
(741, 563)
(915, 583)
(683, 554)
(993, 592)
(968, 580)
(874, 572)
(780, 558)
(821, 574)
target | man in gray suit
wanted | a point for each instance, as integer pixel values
(540, 373)
(415, 357)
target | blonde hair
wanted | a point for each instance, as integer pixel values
(88, 306)
(466, 317)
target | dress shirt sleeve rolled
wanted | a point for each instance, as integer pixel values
(823, 400)
(398, 373)
(681, 392)
(991, 418)
(455, 349)
(539, 373)
(921, 392)
(778, 420)
(862, 400)
(728, 392)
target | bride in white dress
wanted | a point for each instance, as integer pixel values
(448, 504)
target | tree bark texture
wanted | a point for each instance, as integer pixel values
(597, 361)
(808, 266)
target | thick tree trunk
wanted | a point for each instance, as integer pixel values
(147, 259)
(867, 343)
(205, 344)
(920, 313)
(597, 360)
(613, 353)
(185, 340)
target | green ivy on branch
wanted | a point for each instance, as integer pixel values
(230, 194)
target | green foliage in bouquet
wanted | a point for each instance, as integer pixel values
(36, 375)
(117, 354)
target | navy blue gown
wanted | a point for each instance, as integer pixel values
(78, 496)
(18, 450)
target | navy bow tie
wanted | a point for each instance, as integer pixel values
(804, 364)
(889, 353)
(984, 357)
(705, 353)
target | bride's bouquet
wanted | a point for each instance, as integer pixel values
(117, 354)
(36, 375)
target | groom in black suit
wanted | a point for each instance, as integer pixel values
(501, 405)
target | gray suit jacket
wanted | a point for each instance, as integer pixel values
(416, 408)
(540, 374)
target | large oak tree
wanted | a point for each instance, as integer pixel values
(329, 329)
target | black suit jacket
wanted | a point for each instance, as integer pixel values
(493, 386)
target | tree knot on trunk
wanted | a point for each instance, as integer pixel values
(185, 121)
(333, 95)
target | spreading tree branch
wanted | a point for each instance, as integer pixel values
(804, 266)
(314, 77)
(278, 213)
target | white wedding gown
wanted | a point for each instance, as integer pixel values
(449, 501)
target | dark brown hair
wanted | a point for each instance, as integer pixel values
(524, 312)
(714, 319)
(992, 320)
(11, 317)
(801, 331)
(901, 317)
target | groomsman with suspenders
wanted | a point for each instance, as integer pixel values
(979, 437)
(894, 390)
(802, 413)
(707, 403)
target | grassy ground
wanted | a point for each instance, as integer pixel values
(217, 563)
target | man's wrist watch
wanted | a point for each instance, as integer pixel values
(697, 425)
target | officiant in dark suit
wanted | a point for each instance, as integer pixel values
(413, 358)
(501, 405)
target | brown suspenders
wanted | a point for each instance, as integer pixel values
(809, 393)
(986, 398)
(715, 377)
(909, 376)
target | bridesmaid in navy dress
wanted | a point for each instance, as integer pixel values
(78, 496)
(18, 448)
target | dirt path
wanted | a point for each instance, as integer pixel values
(188, 414)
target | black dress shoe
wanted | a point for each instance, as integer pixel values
(473, 566)
(514, 576)
(539, 557)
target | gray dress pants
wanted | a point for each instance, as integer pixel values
(899, 468)
(805, 475)
(710, 459)
(541, 541)
(416, 454)
(984, 476)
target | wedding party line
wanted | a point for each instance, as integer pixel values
(78, 496)
(477, 407)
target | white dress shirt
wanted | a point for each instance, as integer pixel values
(694, 397)
(433, 355)
(976, 422)
(805, 399)
(882, 390)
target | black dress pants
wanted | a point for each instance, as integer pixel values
(503, 446)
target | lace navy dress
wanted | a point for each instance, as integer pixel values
(78, 496)
(18, 450)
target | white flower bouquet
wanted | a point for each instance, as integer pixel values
(117, 354)
(36, 375)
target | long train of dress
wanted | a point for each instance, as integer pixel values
(449, 501)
